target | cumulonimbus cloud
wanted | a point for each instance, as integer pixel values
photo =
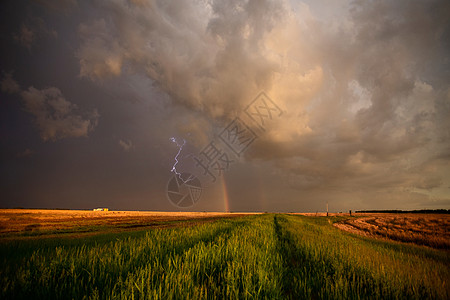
(207, 56)
(365, 99)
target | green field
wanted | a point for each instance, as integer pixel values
(259, 256)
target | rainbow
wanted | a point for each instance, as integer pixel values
(226, 199)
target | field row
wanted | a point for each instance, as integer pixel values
(259, 256)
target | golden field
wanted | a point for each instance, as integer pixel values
(48, 254)
(43, 222)
(431, 230)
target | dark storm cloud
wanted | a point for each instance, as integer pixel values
(54, 116)
(365, 98)
(376, 120)
(60, 6)
(33, 29)
(205, 56)
(9, 85)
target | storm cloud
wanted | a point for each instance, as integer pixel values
(54, 116)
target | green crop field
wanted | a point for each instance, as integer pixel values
(268, 256)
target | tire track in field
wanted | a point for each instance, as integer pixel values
(224, 230)
(291, 263)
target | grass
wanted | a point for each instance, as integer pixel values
(254, 257)
(326, 263)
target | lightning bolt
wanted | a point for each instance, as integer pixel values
(174, 167)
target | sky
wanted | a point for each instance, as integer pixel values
(206, 105)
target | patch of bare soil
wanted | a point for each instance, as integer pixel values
(431, 230)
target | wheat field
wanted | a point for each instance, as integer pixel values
(210, 256)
